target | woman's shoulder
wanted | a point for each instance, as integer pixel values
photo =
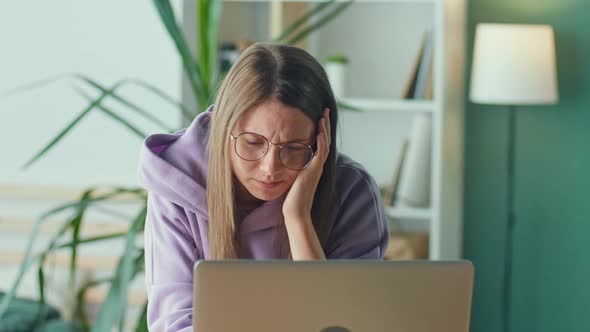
(352, 176)
(347, 168)
(189, 151)
(360, 226)
(175, 165)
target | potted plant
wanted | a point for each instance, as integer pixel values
(337, 70)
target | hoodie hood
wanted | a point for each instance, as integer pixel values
(166, 170)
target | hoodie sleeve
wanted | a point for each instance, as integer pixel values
(361, 230)
(170, 253)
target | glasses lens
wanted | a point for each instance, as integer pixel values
(296, 155)
(251, 146)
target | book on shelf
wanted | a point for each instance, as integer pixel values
(419, 83)
(414, 183)
(424, 68)
(428, 94)
(410, 86)
(391, 191)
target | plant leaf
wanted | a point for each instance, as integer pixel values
(111, 93)
(301, 20)
(40, 273)
(29, 259)
(184, 112)
(64, 131)
(348, 107)
(112, 212)
(208, 26)
(190, 66)
(327, 18)
(114, 116)
(92, 239)
(79, 313)
(141, 325)
(95, 103)
(41, 287)
(115, 303)
(32, 85)
(75, 225)
(118, 85)
(27, 262)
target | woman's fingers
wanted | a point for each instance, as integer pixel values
(328, 127)
(323, 139)
(326, 131)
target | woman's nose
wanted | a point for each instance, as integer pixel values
(271, 162)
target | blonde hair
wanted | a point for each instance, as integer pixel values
(264, 71)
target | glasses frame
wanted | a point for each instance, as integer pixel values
(235, 139)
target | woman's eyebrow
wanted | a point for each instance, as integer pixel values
(305, 140)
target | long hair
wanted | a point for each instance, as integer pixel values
(264, 72)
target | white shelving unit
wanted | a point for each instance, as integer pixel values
(390, 105)
(406, 212)
(382, 37)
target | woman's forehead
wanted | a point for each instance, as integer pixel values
(273, 119)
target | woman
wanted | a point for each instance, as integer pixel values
(256, 176)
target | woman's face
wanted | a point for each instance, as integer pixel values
(267, 178)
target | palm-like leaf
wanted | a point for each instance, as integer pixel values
(29, 259)
(185, 113)
(291, 28)
(74, 225)
(81, 295)
(115, 303)
(124, 82)
(201, 75)
(321, 22)
(64, 131)
(114, 115)
(94, 104)
(329, 9)
(346, 106)
(208, 26)
(191, 68)
(142, 320)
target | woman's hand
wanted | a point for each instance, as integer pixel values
(299, 200)
(303, 239)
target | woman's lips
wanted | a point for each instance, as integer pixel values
(269, 185)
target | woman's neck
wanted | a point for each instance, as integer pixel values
(245, 201)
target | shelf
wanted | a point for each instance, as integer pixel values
(406, 212)
(409, 226)
(408, 219)
(399, 105)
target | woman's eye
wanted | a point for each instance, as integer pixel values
(293, 148)
(254, 142)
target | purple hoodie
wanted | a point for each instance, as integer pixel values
(173, 168)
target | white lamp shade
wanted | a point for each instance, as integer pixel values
(514, 64)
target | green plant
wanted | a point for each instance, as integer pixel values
(203, 80)
(337, 58)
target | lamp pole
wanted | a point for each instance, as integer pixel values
(510, 222)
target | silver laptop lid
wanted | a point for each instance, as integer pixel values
(332, 296)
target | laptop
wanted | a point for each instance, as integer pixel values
(332, 296)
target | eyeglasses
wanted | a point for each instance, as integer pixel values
(293, 155)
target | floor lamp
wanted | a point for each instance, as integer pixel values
(513, 64)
